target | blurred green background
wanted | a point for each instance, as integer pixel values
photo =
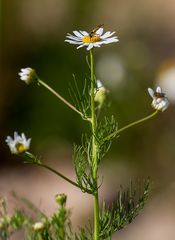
(33, 34)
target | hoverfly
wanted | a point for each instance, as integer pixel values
(93, 32)
(159, 95)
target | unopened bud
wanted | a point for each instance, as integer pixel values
(100, 94)
(61, 199)
(38, 226)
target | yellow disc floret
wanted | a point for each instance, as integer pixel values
(89, 39)
(21, 147)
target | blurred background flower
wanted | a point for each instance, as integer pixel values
(32, 35)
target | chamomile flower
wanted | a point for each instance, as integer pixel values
(27, 75)
(160, 101)
(19, 144)
(93, 39)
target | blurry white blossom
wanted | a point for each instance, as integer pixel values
(38, 226)
(27, 75)
(166, 78)
(19, 144)
(160, 101)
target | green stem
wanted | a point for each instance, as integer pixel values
(130, 125)
(94, 150)
(61, 98)
(39, 164)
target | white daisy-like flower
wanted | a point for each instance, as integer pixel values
(38, 226)
(27, 75)
(19, 144)
(93, 39)
(160, 101)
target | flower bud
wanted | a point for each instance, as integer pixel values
(38, 226)
(100, 94)
(61, 199)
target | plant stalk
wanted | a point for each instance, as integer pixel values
(60, 97)
(39, 164)
(94, 150)
(130, 125)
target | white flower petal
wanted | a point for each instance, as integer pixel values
(99, 31)
(73, 42)
(107, 34)
(90, 46)
(74, 38)
(18, 140)
(97, 44)
(158, 89)
(84, 33)
(84, 44)
(110, 40)
(99, 84)
(24, 78)
(78, 34)
(151, 92)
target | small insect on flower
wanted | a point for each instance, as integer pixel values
(93, 39)
(27, 75)
(19, 144)
(160, 101)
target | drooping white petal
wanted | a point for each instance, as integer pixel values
(90, 46)
(96, 44)
(84, 44)
(151, 92)
(18, 140)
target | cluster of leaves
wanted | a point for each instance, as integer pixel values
(42, 227)
(122, 212)
(104, 129)
(58, 226)
(80, 97)
(82, 155)
(82, 158)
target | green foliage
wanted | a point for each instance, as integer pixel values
(58, 226)
(104, 129)
(123, 211)
(80, 97)
(82, 158)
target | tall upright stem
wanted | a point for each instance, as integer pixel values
(94, 150)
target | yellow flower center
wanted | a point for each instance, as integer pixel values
(20, 147)
(89, 39)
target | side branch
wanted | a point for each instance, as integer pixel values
(130, 125)
(39, 164)
(62, 99)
